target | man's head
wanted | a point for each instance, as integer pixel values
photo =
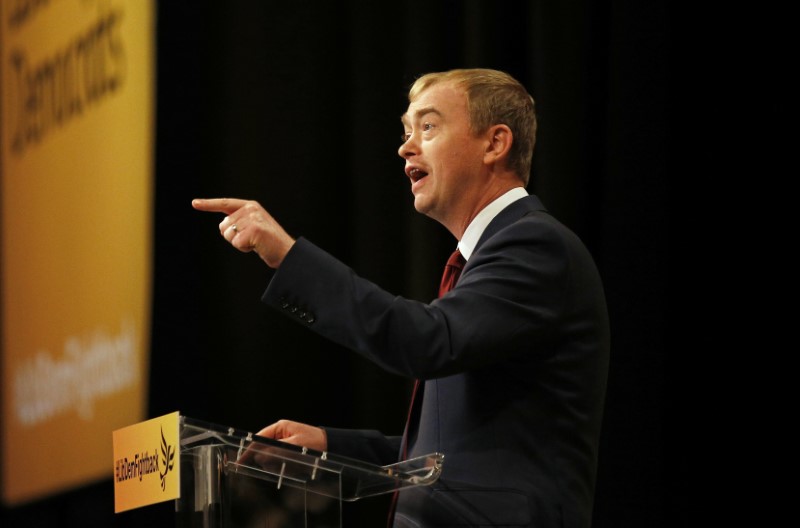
(468, 139)
(493, 97)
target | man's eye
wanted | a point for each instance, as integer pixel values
(426, 127)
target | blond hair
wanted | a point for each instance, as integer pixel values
(493, 98)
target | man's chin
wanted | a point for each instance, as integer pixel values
(422, 205)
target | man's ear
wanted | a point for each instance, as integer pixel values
(499, 139)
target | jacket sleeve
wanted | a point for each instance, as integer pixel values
(509, 295)
(367, 445)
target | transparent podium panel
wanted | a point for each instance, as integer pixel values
(232, 479)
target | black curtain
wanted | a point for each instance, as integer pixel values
(297, 105)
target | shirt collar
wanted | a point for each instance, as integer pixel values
(478, 225)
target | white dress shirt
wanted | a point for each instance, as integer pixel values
(478, 225)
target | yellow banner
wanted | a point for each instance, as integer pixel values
(147, 463)
(76, 205)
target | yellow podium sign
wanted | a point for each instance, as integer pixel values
(147, 463)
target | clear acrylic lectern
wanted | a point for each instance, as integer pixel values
(232, 479)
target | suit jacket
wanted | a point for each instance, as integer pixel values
(515, 360)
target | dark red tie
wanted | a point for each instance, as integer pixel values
(452, 271)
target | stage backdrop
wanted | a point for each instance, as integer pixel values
(77, 156)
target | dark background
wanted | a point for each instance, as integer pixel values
(297, 105)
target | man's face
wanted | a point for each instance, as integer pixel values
(444, 160)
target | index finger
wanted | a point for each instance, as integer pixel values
(218, 205)
(254, 449)
(274, 431)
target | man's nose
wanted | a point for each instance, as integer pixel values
(407, 148)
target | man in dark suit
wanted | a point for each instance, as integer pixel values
(514, 357)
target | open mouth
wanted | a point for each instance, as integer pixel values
(416, 175)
